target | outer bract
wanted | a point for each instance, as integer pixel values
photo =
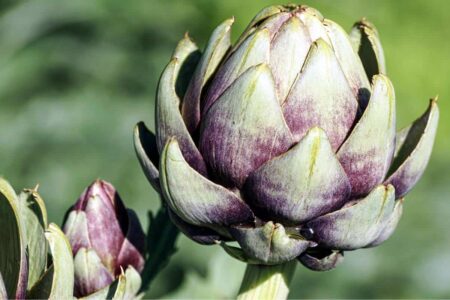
(284, 142)
(105, 237)
(35, 258)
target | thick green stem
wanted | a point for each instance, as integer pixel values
(267, 282)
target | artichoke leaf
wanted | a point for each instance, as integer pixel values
(391, 224)
(58, 281)
(269, 244)
(128, 285)
(287, 55)
(33, 214)
(36, 204)
(201, 235)
(321, 259)
(13, 261)
(169, 120)
(248, 111)
(303, 183)
(254, 51)
(198, 201)
(357, 224)
(147, 153)
(413, 151)
(238, 254)
(367, 153)
(313, 20)
(349, 60)
(90, 273)
(366, 42)
(188, 56)
(321, 96)
(262, 15)
(76, 230)
(218, 45)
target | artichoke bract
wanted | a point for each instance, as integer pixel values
(106, 238)
(35, 257)
(284, 142)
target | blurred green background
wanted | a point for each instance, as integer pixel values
(75, 76)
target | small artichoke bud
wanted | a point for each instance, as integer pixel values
(105, 238)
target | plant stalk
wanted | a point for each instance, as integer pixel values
(267, 282)
(161, 238)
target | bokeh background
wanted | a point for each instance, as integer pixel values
(75, 76)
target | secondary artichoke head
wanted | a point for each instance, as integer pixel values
(105, 237)
(284, 142)
(35, 257)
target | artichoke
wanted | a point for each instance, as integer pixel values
(35, 258)
(284, 142)
(105, 238)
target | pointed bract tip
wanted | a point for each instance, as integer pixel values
(316, 131)
(261, 68)
(262, 32)
(434, 100)
(365, 24)
(140, 126)
(321, 44)
(186, 36)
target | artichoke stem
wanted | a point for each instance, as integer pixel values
(264, 282)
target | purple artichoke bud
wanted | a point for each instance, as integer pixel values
(285, 141)
(105, 238)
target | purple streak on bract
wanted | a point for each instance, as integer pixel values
(100, 221)
(105, 233)
(294, 187)
(133, 245)
(234, 139)
(270, 199)
(301, 115)
(321, 96)
(363, 172)
(84, 286)
(198, 200)
(76, 230)
(416, 144)
(129, 255)
(23, 278)
(274, 23)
